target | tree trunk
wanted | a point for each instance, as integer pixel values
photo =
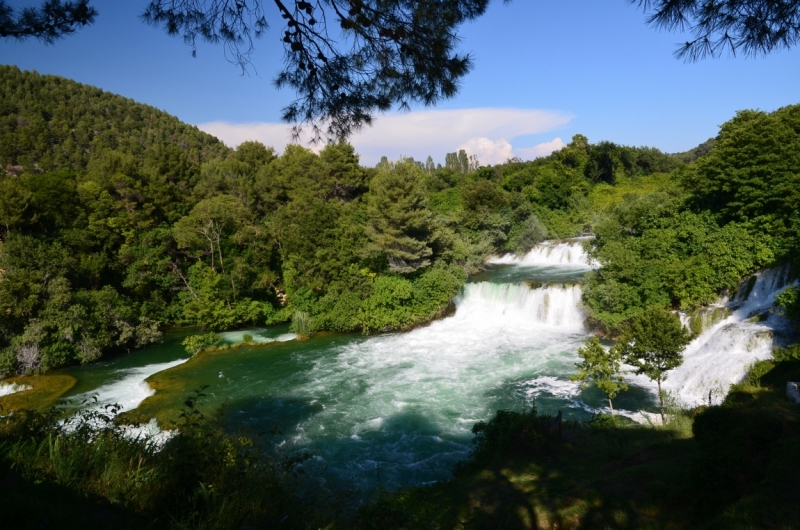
(661, 401)
(611, 406)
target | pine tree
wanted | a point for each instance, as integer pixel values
(399, 218)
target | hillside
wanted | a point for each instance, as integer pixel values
(51, 123)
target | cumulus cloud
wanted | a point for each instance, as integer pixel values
(543, 149)
(419, 133)
(488, 152)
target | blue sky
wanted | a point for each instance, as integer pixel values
(544, 71)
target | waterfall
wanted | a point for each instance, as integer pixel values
(128, 389)
(735, 334)
(549, 253)
(519, 304)
(13, 388)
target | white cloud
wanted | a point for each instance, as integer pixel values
(488, 152)
(543, 149)
(419, 133)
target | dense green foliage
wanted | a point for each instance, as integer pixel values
(732, 212)
(117, 219)
(788, 301)
(95, 474)
(752, 175)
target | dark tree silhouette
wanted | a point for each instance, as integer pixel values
(53, 20)
(345, 59)
(752, 27)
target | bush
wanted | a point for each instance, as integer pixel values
(194, 344)
(508, 430)
(201, 477)
(791, 353)
(533, 233)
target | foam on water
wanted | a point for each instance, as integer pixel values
(409, 400)
(568, 253)
(721, 355)
(8, 389)
(129, 389)
(259, 335)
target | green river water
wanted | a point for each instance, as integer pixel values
(390, 410)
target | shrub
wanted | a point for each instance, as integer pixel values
(508, 430)
(533, 233)
(194, 344)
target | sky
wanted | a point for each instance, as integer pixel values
(544, 71)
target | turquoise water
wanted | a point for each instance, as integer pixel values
(389, 410)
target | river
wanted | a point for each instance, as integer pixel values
(396, 410)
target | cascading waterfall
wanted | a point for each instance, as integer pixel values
(740, 332)
(128, 388)
(401, 406)
(567, 253)
(556, 305)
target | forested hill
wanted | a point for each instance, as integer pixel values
(50, 123)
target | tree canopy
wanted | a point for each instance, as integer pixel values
(754, 27)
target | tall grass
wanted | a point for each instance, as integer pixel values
(199, 478)
(301, 324)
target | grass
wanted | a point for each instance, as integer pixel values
(90, 477)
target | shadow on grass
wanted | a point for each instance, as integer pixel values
(29, 503)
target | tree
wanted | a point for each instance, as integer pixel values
(55, 19)
(601, 368)
(756, 27)
(653, 344)
(207, 223)
(392, 52)
(399, 218)
(740, 179)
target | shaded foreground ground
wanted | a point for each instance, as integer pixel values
(732, 466)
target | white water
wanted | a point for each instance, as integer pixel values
(568, 253)
(128, 390)
(410, 400)
(722, 354)
(13, 388)
(397, 409)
